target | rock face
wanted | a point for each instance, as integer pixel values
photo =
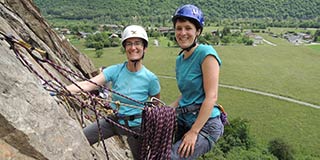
(32, 124)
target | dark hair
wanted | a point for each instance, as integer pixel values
(145, 43)
(184, 19)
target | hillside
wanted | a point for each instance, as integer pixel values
(33, 124)
(159, 12)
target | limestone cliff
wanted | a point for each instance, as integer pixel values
(32, 124)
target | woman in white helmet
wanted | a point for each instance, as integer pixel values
(131, 79)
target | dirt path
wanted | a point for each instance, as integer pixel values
(260, 93)
(268, 42)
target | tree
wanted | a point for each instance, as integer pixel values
(226, 31)
(99, 53)
(98, 45)
(247, 41)
(316, 36)
(225, 40)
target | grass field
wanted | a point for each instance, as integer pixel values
(315, 47)
(285, 69)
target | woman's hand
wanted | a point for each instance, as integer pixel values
(187, 145)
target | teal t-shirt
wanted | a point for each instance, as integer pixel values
(135, 85)
(190, 79)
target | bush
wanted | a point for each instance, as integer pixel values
(236, 143)
(236, 135)
(249, 42)
(279, 148)
(251, 154)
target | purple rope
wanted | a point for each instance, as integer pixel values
(157, 128)
(100, 130)
(26, 63)
(158, 123)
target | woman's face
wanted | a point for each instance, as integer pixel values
(185, 33)
(134, 48)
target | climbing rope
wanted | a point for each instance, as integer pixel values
(157, 119)
(157, 132)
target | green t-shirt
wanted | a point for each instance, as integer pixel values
(135, 85)
(190, 78)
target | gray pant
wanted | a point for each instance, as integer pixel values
(109, 130)
(208, 136)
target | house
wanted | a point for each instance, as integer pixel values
(156, 42)
(113, 35)
(65, 31)
(214, 32)
(112, 27)
(166, 30)
(250, 34)
(307, 37)
(294, 39)
(82, 34)
(298, 38)
(258, 40)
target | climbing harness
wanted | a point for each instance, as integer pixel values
(196, 108)
(127, 118)
(158, 120)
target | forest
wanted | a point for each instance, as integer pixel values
(274, 13)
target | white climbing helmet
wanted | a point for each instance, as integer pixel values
(134, 31)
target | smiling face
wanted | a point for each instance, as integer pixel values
(185, 33)
(134, 48)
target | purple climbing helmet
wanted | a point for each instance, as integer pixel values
(191, 12)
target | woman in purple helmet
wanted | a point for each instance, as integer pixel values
(197, 74)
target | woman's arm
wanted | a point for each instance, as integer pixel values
(210, 69)
(86, 85)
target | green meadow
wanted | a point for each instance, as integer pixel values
(287, 70)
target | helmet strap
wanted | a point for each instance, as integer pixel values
(135, 61)
(190, 47)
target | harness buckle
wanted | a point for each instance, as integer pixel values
(126, 118)
(130, 118)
